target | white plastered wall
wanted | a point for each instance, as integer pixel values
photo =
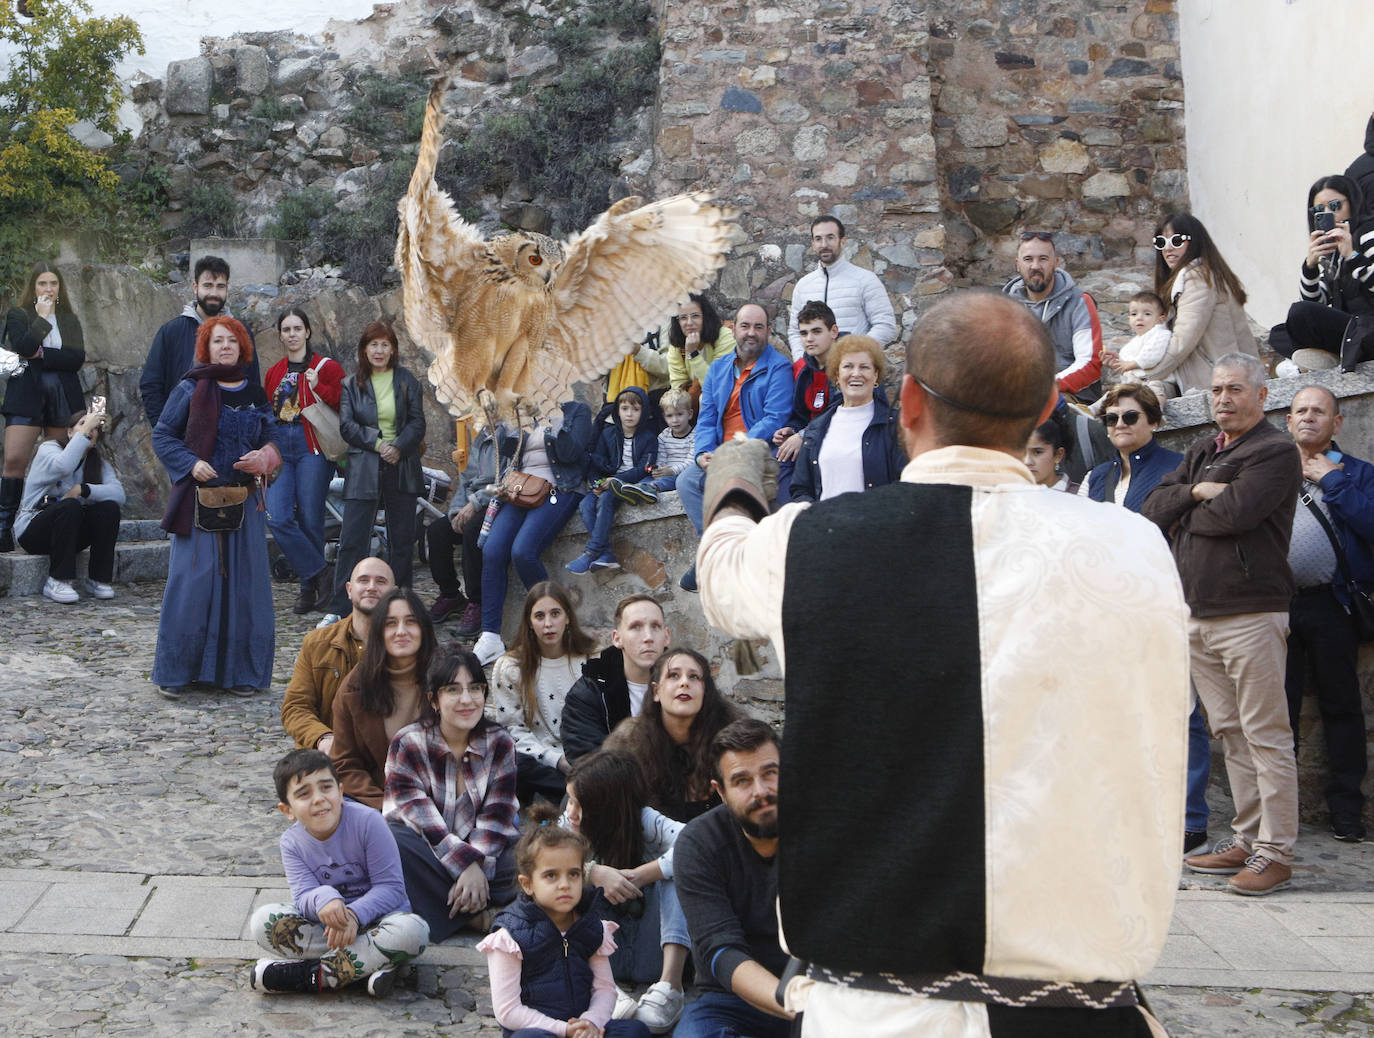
(1277, 93)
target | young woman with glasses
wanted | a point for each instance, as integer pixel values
(1206, 305)
(1336, 281)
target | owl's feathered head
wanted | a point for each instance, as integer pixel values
(528, 256)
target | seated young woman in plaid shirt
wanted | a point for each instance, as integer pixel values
(450, 799)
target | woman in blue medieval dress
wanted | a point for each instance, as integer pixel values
(217, 626)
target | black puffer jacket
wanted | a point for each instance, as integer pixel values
(1362, 172)
(598, 702)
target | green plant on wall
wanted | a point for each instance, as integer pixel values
(61, 70)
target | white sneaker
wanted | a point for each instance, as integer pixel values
(329, 618)
(488, 647)
(96, 589)
(60, 591)
(625, 1005)
(659, 1007)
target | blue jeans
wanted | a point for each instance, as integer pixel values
(663, 484)
(691, 484)
(519, 535)
(598, 514)
(718, 1015)
(1199, 771)
(295, 501)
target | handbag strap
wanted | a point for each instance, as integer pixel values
(1341, 560)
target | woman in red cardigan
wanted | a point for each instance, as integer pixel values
(295, 501)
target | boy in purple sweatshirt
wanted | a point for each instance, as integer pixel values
(351, 919)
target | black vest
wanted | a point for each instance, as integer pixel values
(882, 759)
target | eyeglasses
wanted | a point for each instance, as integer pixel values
(1333, 206)
(476, 691)
(1174, 241)
(1037, 236)
(1125, 417)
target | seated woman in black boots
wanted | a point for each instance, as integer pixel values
(71, 501)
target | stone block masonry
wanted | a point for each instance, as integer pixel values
(791, 110)
(1064, 115)
(934, 130)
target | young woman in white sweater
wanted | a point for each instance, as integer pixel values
(531, 681)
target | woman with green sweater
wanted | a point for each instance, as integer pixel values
(382, 418)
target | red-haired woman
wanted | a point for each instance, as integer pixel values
(382, 418)
(217, 627)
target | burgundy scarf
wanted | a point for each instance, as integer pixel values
(202, 424)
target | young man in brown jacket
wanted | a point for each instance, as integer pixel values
(1228, 510)
(327, 655)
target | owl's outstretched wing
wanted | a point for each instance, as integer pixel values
(624, 275)
(438, 254)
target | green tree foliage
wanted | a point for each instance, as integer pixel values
(61, 71)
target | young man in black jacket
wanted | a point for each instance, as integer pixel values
(615, 685)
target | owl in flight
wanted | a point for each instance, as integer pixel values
(514, 321)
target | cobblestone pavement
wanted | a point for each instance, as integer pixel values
(100, 775)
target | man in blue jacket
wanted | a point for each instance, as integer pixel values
(749, 391)
(173, 352)
(1322, 638)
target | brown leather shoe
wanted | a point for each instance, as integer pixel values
(1226, 859)
(1260, 876)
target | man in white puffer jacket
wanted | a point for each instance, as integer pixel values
(858, 299)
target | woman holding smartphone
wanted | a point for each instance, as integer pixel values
(1334, 282)
(43, 397)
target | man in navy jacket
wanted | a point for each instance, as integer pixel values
(1322, 638)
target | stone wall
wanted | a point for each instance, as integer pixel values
(934, 130)
(1065, 115)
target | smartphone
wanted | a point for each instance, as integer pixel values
(98, 404)
(1325, 220)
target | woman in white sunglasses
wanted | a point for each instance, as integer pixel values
(1206, 305)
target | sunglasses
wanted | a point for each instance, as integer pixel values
(1037, 236)
(1125, 417)
(1174, 241)
(1333, 206)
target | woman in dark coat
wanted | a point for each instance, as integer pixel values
(382, 418)
(43, 397)
(217, 626)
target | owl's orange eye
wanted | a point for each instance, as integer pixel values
(536, 259)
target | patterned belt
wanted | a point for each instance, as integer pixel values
(1017, 992)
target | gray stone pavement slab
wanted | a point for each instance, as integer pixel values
(186, 911)
(17, 897)
(80, 908)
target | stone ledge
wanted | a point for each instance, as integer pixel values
(22, 574)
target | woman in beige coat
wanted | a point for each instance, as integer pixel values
(1206, 305)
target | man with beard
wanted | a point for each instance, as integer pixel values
(727, 881)
(327, 655)
(173, 352)
(858, 299)
(1012, 863)
(1070, 316)
(747, 391)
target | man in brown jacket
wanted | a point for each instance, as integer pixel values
(327, 655)
(1228, 509)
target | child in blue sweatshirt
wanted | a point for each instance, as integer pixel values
(626, 451)
(350, 918)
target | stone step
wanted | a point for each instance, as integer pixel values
(22, 574)
(141, 530)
